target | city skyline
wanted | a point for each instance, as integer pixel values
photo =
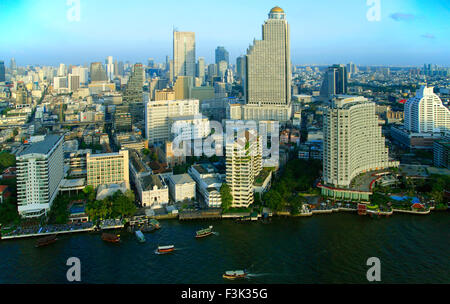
(42, 34)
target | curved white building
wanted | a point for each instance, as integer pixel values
(353, 142)
(425, 113)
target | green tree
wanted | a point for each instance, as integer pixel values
(7, 160)
(227, 198)
(274, 200)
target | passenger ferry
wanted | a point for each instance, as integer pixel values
(237, 274)
(140, 236)
(165, 249)
(204, 232)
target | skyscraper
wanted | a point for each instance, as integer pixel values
(222, 55)
(425, 113)
(2, 71)
(334, 81)
(109, 68)
(184, 54)
(13, 64)
(201, 69)
(353, 142)
(134, 90)
(268, 71)
(240, 67)
(98, 73)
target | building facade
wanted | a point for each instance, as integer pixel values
(183, 54)
(40, 170)
(268, 70)
(425, 113)
(243, 164)
(108, 168)
(353, 142)
(181, 187)
(158, 113)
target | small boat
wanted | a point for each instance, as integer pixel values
(204, 232)
(148, 228)
(165, 249)
(111, 238)
(155, 223)
(46, 241)
(237, 274)
(140, 236)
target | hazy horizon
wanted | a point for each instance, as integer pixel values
(409, 33)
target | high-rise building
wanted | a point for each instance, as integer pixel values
(107, 169)
(183, 54)
(182, 87)
(13, 65)
(240, 67)
(222, 55)
(74, 82)
(158, 113)
(201, 69)
(268, 72)
(222, 67)
(243, 164)
(352, 69)
(82, 73)
(109, 63)
(2, 72)
(40, 169)
(122, 119)
(62, 70)
(134, 91)
(425, 113)
(98, 73)
(353, 142)
(212, 72)
(441, 153)
(334, 81)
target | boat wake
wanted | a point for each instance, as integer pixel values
(257, 275)
(216, 233)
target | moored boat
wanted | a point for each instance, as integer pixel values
(111, 238)
(46, 241)
(236, 274)
(204, 232)
(148, 228)
(165, 249)
(155, 223)
(140, 236)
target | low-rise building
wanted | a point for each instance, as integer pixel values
(181, 187)
(209, 182)
(153, 191)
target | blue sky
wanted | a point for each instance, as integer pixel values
(410, 32)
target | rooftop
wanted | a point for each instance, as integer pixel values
(181, 179)
(42, 147)
(149, 181)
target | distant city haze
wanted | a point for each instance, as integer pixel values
(410, 32)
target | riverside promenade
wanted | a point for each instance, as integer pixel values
(42, 231)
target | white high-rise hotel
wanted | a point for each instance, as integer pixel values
(268, 72)
(425, 113)
(40, 169)
(353, 142)
(184, 54)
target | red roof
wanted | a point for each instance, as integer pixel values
(3, 188)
